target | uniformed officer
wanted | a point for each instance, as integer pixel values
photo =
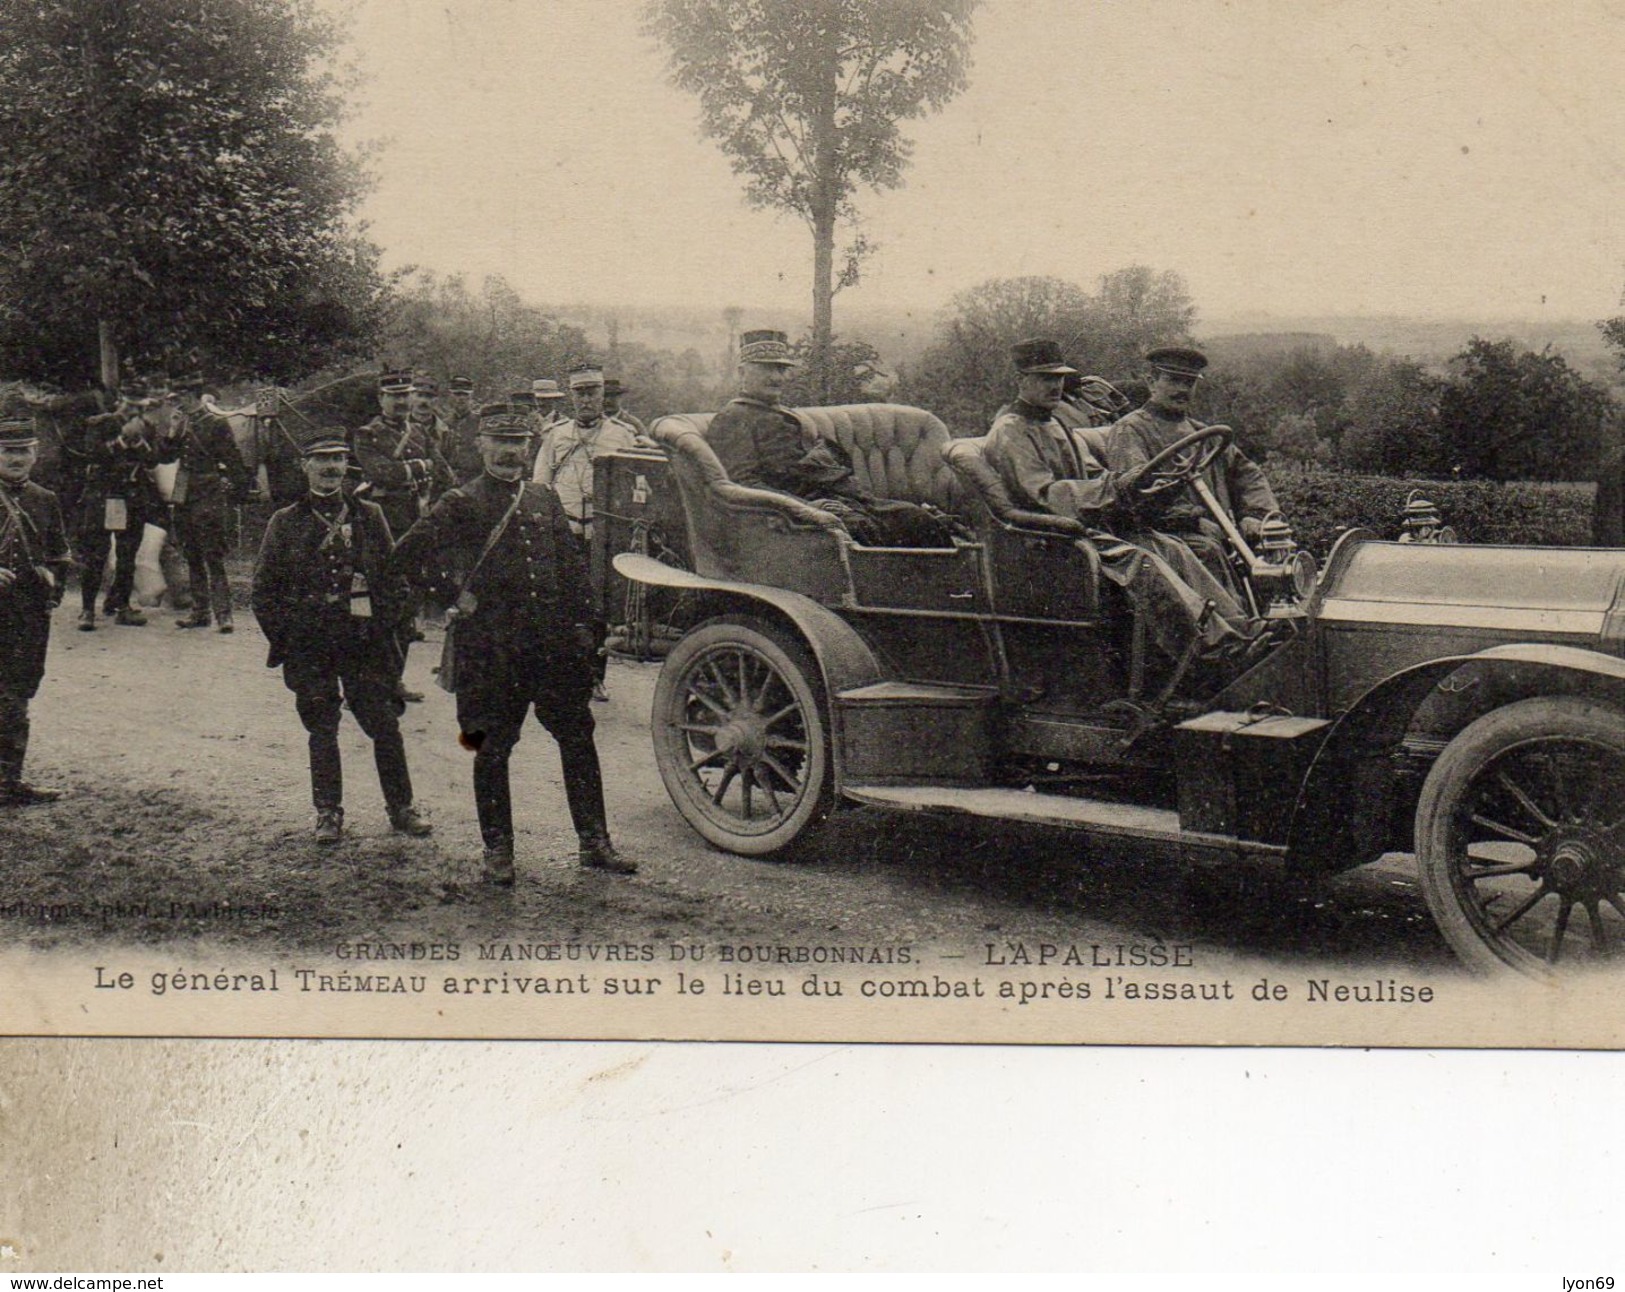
(333, 612)
(1047, 467)
(118, 501)
(1236, 481)
(760, 442)
(463, 451)
(499, 552)
(614, 392)
(34, 562)
(546, 405)
(392, 459)
(435, 433)
(211, 477)
(564, 465)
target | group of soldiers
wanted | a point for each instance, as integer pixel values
(486, 515)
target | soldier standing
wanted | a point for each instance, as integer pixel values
(332, 611)
(212, 476)
(564, 465)
(118, 501)
(34, 561)
(500, 553)
(463, 450)
(614, 392)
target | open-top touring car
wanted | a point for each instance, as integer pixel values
(1464, 703)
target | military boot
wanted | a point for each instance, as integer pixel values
(15, 793)
(87, 620)
(329, 824)
(499, 863)
(199, 618)
(129, 617)
(598, 853)
(223, 622)
(407, 819)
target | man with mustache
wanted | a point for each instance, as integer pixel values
(332, 611)
(498, 551)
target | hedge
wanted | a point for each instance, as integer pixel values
(1322, 503)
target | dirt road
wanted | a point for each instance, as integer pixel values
(189, 819)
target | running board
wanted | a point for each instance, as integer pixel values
(1126, 821)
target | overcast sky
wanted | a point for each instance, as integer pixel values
(1292, 156)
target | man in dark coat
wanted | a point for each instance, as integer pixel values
(212, 476)
(332, 610)
(1238, 484)
(500, 553)
(34, 561)
(1046, 466)
(760, 442)
(118, 501)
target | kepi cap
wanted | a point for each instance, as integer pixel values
(462, 385)
(395, 383)
(585, 374)
(612, 386)
(1041, 355)
(16, 425)
(1177, 360)
(324, 439)
(764, 345)
(505, 421)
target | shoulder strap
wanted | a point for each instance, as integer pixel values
(491, 541)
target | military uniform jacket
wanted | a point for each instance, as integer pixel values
(1236, 481)
(31, 535)
(767, 446)
(565, 461)
(120, 468)
(529, 594)
(305, 579)
(209, 457)
(1047, 468)
(389, 453)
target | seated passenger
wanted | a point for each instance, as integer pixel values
(760, 442)
(1236, 481)
(1046, 467)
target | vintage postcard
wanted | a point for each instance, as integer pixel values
(1028, 523)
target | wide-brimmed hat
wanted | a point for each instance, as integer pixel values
(461, 385)
(764, 345)
(1041, 355)
(546, 388)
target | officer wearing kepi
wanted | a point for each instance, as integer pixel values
(499, 551)
(34, 561)
(333, 612)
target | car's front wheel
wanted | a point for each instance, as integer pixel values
(1520, 834)
(741, 738)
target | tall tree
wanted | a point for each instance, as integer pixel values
(171, 185)
(805, 97)
(1510, 414)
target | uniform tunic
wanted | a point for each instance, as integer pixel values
(398, 459)
(564, 464)
(768, 446)
(522, 644)
(1236, 481)
(317, 556)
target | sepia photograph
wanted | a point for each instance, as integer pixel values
(833, 520)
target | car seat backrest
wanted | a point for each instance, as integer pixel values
(967, 458)
(896, 450)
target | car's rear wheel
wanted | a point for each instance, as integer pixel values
(1520, 834)
(741, 738)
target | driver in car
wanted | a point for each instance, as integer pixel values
(1238, 485)
(1048, 468)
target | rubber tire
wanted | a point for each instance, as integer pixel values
(795, 667)
(1451, 777)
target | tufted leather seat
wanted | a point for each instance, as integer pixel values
(896, 450)
(967, 458)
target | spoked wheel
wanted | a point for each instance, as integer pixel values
(740, 737)
(1521, 838)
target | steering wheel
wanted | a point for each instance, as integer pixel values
(1182, 461)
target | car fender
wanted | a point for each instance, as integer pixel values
(843, 658)
(1345, 806)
